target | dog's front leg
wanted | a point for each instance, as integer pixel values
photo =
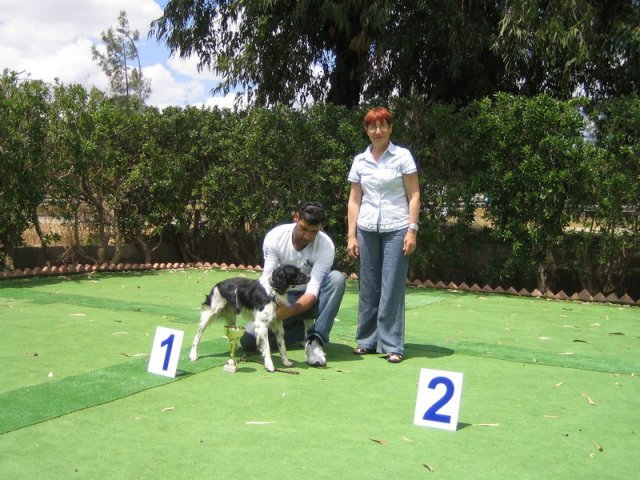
(278, 329)
(262, 340)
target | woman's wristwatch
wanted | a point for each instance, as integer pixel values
(414, 226)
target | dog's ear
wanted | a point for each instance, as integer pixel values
(279, 278)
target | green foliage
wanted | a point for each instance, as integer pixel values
(289, 52)
(612, 216)
(190, 175)
(557, 47)
(24, 171)
(533, 165)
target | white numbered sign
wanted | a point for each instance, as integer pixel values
(438, 402)
(165, 352)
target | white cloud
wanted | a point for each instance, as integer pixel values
(189, 68)
(49, 39)
(166, 90)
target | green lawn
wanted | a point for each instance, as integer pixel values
(551, 389)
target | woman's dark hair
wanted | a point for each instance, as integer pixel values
(312, 212)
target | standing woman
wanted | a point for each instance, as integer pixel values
(383, 211)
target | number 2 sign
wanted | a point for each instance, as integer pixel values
(438, 402)
(165, 352)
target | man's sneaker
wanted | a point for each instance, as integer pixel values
(315, 354)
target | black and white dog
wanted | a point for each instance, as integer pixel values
(257, 301)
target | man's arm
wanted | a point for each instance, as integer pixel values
(301, 305)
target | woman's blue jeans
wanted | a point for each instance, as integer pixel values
(383, 273)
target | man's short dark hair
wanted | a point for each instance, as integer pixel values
(312, 212)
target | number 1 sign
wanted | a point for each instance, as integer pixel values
(438, 402)
(165, 352)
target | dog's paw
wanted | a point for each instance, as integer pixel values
(193, 356)
(287, 363)
(268, 365)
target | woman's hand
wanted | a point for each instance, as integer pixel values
(410, 242)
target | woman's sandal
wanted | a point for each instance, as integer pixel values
(363, 351)
(394, 358)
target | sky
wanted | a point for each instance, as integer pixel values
(49, 39)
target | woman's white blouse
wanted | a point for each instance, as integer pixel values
(385, 206)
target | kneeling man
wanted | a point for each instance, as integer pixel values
(313, 306)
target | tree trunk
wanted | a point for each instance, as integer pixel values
(547, 271)
(8, 253)
(346, 78)
(117, 254)
(35, 220)
(145, 248)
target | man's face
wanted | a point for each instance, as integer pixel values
(304, 233)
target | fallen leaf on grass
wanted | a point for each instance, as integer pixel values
(584, 395)
(78, 315)
(565, 353)
(168, 409)
(551, 416)
(600, 449)
(485, 424)
(384, 443)
(407, 439)
(120, 333)
(256, 422)
(544, 338)
(428, 467)
(558, 384)
(134, 355)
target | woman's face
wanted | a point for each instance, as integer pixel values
(379, 132)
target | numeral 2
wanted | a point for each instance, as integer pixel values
(432, 413)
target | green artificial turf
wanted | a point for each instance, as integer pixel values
(551, 389)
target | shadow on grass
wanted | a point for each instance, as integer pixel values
(427, 351)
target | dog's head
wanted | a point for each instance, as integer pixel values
(287, 276)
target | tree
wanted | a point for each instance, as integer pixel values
(339, 51)
(280, 52)
(121, 52)
(437, 49)
(24, 109)
(535, 169)
(560, 46)
(613, 217)
(343, 52)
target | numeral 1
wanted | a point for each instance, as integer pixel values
(168, 342)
